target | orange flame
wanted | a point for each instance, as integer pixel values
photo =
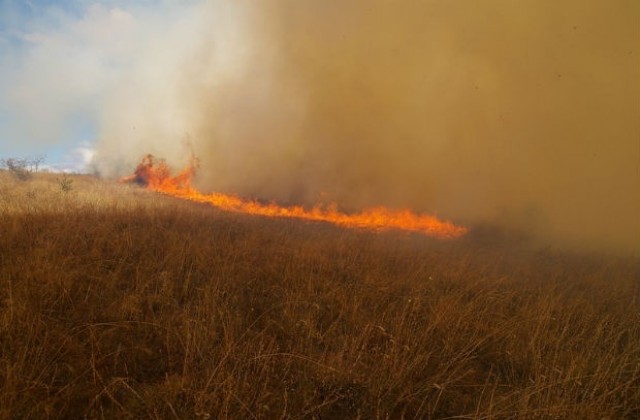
(157, 177)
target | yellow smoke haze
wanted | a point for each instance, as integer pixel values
(525, 114)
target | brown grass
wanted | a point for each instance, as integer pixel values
(119, 303)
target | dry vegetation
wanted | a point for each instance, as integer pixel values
(119, 303)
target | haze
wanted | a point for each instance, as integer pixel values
(522, 114)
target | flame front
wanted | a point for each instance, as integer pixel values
(157, 177)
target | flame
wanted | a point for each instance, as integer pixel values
(156, 176)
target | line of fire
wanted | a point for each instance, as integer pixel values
(156, 175)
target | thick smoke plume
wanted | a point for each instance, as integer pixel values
(521, 113)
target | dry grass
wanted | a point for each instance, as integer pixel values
(118, 303)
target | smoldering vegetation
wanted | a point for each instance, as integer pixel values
(518, 114)
(119, 303)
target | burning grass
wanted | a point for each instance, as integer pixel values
(120, 303)
(157, 176)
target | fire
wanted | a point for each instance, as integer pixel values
(156, 176)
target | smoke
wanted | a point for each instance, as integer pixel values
(55, 68)
(525, 114)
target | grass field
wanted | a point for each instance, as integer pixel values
(116, 302)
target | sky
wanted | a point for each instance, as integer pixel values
(523, 114)
(59, 60)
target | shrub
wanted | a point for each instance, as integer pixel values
(18, 167)
(66, 183)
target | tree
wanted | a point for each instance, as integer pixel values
(17, 167)
(36, 161)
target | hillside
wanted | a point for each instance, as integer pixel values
(116, 302)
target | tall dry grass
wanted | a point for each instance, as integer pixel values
(118, 303)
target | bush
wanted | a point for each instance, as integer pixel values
(66, 183)
(18, 167)
(23, 168)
